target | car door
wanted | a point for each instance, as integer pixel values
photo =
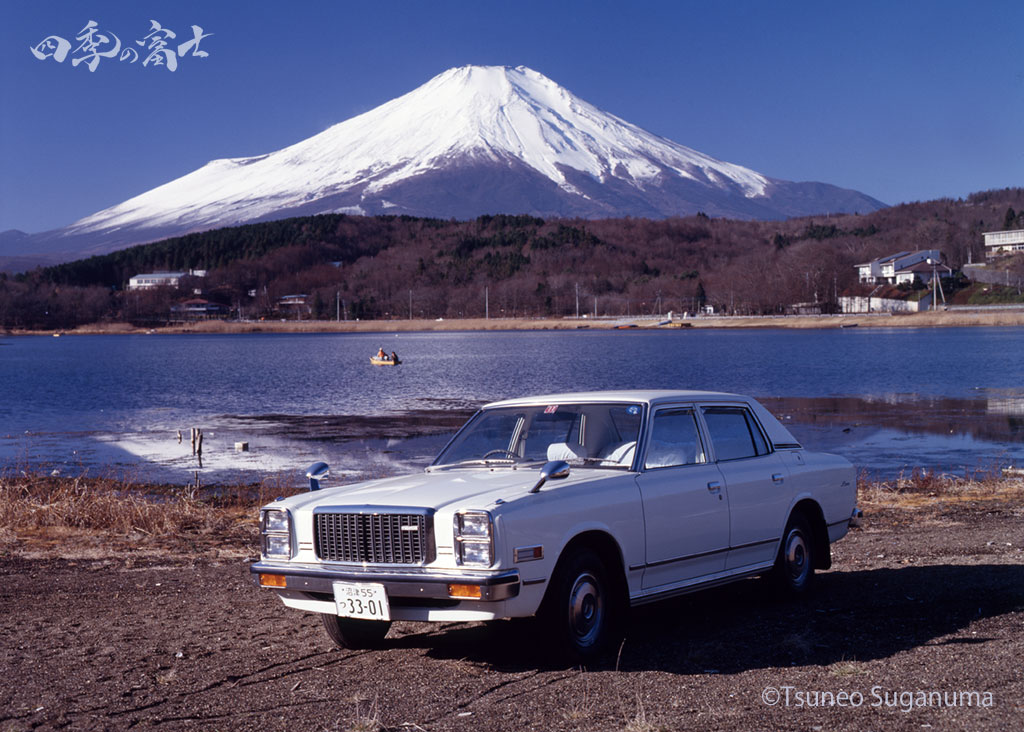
(755, 478)
(686, 514)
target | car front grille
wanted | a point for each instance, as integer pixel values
(373, 538)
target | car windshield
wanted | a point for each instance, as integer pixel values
(595, 435)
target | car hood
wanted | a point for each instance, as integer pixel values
(440, 488)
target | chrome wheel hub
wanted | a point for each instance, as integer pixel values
(796, 557)
(586, 609)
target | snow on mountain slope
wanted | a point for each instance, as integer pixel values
(472, 140)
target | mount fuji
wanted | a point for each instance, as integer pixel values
(473, 140)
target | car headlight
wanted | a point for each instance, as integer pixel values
(474, 540)
(275, 534)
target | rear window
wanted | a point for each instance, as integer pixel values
(734, 433)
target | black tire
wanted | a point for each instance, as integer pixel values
(582, 611)
(355, 634)
(794, 567)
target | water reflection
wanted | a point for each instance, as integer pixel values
(96, 403)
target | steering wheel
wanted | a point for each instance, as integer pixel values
(500, 451)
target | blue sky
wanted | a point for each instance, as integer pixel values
(904, 101)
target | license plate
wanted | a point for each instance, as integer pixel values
(362, 600)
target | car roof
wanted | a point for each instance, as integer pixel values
(777, 433)
(647, 396)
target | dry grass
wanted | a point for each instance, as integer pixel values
(922, 489)
(65, 516)
(68, 514)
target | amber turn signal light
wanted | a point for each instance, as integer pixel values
(273, 580)
(465, 592)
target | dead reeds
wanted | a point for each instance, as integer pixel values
(923, 488)
(41, 507)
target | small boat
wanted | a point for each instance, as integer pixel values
(384, 361)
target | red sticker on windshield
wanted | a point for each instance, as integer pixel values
(551, 410)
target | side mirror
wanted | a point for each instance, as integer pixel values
(553, 470)
(316, 473)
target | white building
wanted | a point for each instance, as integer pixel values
(899, 267)
(161, 279)
(923, 271)
(154, 279)
(1003, 242)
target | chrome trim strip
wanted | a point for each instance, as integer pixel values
(662, 562)
(757, 543)
(371, 509)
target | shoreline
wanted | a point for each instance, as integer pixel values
(931, 319)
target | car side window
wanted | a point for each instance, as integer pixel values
(674, 440)
(734, 433)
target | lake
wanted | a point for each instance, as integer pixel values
(891, 400)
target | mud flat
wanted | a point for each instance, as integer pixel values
(108, 630)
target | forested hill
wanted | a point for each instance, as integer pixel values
(387, 266)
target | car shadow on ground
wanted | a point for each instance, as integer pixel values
(855, 615)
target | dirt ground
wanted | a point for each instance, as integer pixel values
(919, 625)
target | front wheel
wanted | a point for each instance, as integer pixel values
(582, 611)
(355, 634)
(794, 566)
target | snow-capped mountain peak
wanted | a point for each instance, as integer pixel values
(472, 140)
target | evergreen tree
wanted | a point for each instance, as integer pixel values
(1010, 219)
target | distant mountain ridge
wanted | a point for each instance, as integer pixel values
(473, 140)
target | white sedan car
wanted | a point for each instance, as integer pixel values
(570, 507)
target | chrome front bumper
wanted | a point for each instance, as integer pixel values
(410, 582)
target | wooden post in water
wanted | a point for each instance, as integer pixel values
(199, 447)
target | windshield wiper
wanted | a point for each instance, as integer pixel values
(515, 464)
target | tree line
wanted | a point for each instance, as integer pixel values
(504, 265)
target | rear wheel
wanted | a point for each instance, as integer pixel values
(794, 566)
(582, 610)
(355, 634)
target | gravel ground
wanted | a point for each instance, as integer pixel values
(922, 599)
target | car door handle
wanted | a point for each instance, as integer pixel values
(714, 486)
(778, 478)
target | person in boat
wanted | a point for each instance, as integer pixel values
(381, 355)
(394, 357)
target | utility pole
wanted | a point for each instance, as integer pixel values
(577, 301)
(337, 305)
(936, 284)
(410, 304)
(487, 304)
